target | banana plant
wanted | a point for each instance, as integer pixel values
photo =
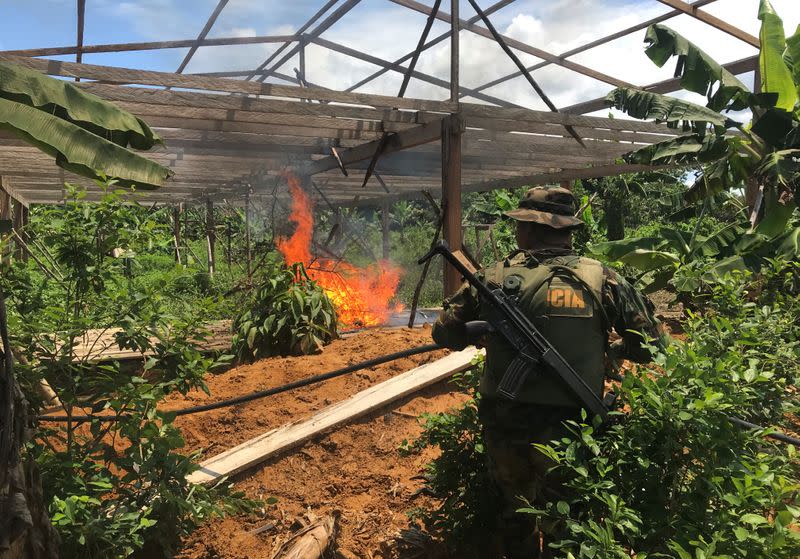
(763, 156)
(82, 132)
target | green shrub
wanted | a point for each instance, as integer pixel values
(113, 488)
(288, 315)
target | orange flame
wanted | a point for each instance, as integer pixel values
(361, 295)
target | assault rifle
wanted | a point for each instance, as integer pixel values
(532, 348)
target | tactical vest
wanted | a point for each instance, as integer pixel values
(562, 295)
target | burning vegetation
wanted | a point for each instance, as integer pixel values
(363, 296)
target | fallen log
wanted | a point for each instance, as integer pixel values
(264, 446)
(309, 542)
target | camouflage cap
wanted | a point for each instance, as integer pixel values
(554, 207)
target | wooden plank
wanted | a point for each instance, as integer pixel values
(7, 186)
(79, 41)
(395, 142)
(470, 110)
(203, 32)
(490, 10)
(328, 5)
(713, 21)
(455, 33)
(549, 178)
(112, 74)
(353, 53)
(519, 45)
(152, 45)
(197, 100)
(274, 442)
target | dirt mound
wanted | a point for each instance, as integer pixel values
(355, 470)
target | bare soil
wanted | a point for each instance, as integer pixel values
(355, 471)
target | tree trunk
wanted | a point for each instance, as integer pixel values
(25, 529)
(615, 224)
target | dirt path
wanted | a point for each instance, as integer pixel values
(355, 470)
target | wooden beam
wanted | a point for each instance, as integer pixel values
(318, 30)
(713, 21)
(519, 45)
(259, 449)
(551, 178)
(591, 45)
(490, 10)
(8, 188)
(79, 40)
(741, 66)
(203, 33)
(402, 69)
(152, 45)
(451, 130)
(165, 79)
(302, 29)
(395, 142)
(455, 33)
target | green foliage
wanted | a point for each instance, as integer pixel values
(763, 153)
(673, 477)
(113, 487)
(458, 477)
(289, 314)
(83, 132)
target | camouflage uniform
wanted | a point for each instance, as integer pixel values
(574, 302)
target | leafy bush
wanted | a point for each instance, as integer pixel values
(458, 476)
(289, 314)
(118, 487)
(673, 477)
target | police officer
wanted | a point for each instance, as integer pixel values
(575, 302)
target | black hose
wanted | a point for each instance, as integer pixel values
(784, 438)
(262, 393)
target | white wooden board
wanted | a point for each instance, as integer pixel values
(264, 446)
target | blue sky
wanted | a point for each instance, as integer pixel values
(387, 30)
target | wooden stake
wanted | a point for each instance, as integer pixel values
(176, 230)
(211, 236)
(247, 238)
(385, 229)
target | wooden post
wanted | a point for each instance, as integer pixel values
(454, 36)
(452, 129)
(19, 209)
(385, 224)
(211, 236)
(5, 214)
(176, 230)
(247, 237)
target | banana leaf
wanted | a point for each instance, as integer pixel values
(614, 250)
(790, 244)
(791, 56)
(79, 150)
(647, 105)
(776, 215)
(719, 241)
(683, 150)
(698, 71)
(646, 260)
(776, 77)
(66, 101)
